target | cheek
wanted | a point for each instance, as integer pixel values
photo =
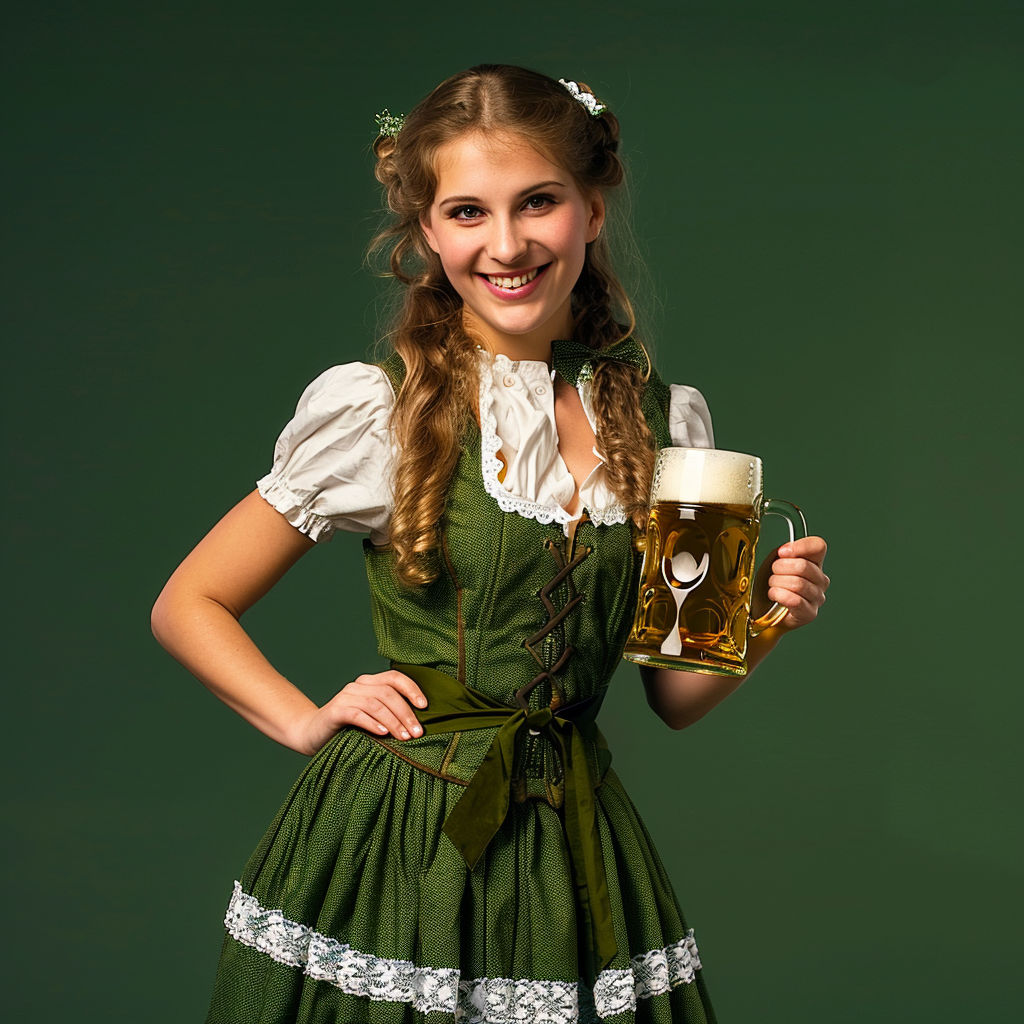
(454, 251)
(569, 235)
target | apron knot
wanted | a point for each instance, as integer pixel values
(539, 718)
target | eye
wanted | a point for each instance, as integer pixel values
(539, 202)
(464, 212)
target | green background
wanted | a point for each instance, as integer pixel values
(828, 196)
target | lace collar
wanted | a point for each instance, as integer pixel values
(504, 381)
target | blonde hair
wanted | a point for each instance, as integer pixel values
(440, 389)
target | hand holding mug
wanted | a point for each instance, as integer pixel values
(794, 579)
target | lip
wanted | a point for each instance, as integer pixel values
(515, 293)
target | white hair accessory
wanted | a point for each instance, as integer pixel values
(588, 99)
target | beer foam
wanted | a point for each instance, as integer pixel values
(706, 476)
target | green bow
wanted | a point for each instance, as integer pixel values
(480, 811)
(571, 358)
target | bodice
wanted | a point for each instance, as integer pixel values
(519, 611)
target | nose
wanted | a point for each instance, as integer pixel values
(506, 243)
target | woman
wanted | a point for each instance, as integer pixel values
(458, 845)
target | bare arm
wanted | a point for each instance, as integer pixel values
(682, 698)
(196, 618)
(797, 581)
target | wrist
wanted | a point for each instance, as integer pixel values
(300, 733)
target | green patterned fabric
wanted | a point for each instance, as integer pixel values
(358, 907)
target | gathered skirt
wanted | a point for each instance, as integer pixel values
(356, 909)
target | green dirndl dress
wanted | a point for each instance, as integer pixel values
(357, 906)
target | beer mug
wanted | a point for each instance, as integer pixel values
(693, 610)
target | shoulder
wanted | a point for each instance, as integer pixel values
(654, 403)
(677, 414)
(689, 419)
(393, 368)
(343, 410)
(348, 388)
(330, 468)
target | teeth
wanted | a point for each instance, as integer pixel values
(513, 282)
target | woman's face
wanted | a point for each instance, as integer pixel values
(511, 230)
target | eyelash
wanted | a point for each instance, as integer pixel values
(548, 201)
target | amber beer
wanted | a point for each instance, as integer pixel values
(693, 609)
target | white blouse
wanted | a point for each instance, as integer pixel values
(332, 462)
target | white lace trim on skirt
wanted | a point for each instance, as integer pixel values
(431, 989)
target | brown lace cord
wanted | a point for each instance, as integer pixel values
(555, 617)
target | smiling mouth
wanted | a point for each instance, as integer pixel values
(514, 281)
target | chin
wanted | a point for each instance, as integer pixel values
(523, 320)
(515, 330)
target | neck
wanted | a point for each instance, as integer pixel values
(531, 345)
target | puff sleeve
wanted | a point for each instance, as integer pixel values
(689, 421)
(332, 462)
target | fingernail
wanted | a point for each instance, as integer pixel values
(405, 735)
(416, 730)
(785, 550)
(421, 702)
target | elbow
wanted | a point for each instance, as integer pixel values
(679, 722)
(159, 618)
(179, 615)
(673, 718)
(664, 699)
(167, 615)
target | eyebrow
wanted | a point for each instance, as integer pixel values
(474, 199)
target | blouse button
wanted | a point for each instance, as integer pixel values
(509, 381)
(540, 389)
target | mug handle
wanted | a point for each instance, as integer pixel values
(797, 530)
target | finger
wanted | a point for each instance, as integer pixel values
(812, 548)
(359, 704)
(352, 715)
(406, 686)
(391, 681)
(800, 567)
(809, 591)
(400, 709)
(381, 714)
(798, 611)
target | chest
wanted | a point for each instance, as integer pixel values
(538, 449)
(517, 606)
(518, 595)
(575, 437)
